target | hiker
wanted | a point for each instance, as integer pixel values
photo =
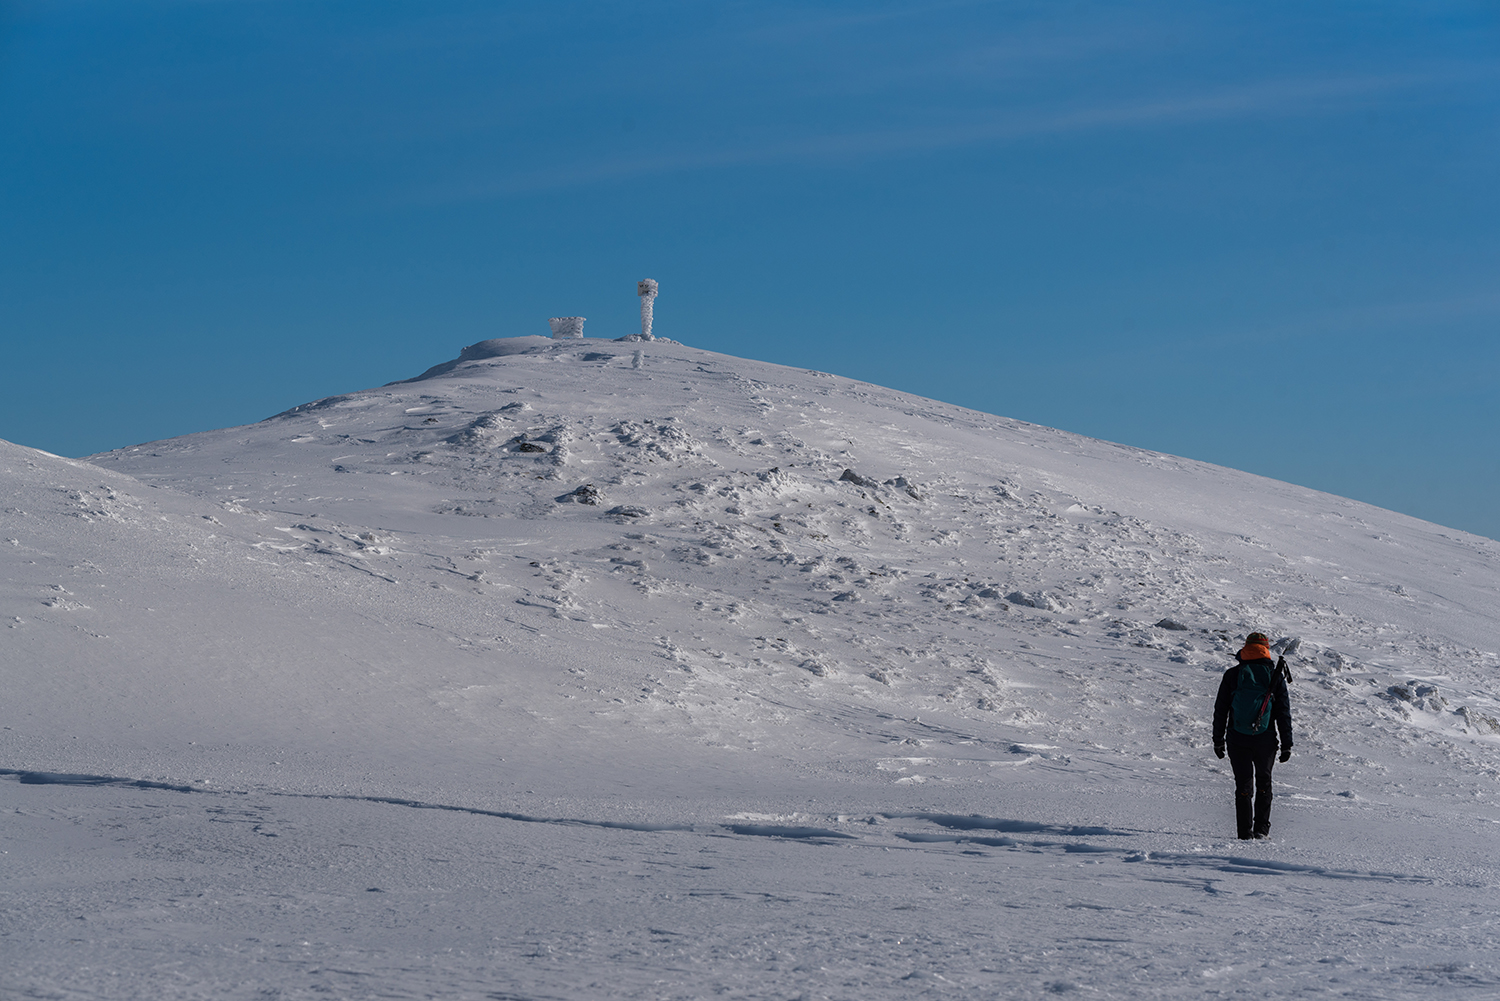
(1252, 696)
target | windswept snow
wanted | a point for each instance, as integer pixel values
(585, 669)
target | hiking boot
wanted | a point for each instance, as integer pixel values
(1262, 822)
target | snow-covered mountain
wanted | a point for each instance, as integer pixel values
(721, 677)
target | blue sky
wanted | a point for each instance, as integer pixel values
(1263, 234)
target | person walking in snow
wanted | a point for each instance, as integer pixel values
(1252, 696)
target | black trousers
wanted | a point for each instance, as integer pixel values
(1252, 758)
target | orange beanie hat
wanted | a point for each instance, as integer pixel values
(1257, 647)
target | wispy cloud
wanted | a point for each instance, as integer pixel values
(1287, 97)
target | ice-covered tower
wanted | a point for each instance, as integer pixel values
(646, 289)
(565, 327)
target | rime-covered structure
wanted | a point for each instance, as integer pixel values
(565, 327)
(646, 289)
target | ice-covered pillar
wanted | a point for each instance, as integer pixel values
(646, 289)
(565, 327)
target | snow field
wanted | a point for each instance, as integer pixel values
(907, 701)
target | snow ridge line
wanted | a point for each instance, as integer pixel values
(1218, 863)
(65, 778)
(972, 822)
(26, 777)
(618, 825)
(29, 778)
(754, 830)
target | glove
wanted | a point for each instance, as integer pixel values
(1286, 753)
(1219, 751)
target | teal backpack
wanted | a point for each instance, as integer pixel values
(1250, 712)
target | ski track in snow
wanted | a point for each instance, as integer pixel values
(547, 675)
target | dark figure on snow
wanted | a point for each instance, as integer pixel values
(1252, 697)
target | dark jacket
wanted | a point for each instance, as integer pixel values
(1281, 705)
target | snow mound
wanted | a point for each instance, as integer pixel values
(681, 674)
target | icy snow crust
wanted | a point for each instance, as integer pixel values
(570, 671)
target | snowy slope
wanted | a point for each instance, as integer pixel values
(676, 641)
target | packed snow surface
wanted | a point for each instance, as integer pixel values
(578, 669)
